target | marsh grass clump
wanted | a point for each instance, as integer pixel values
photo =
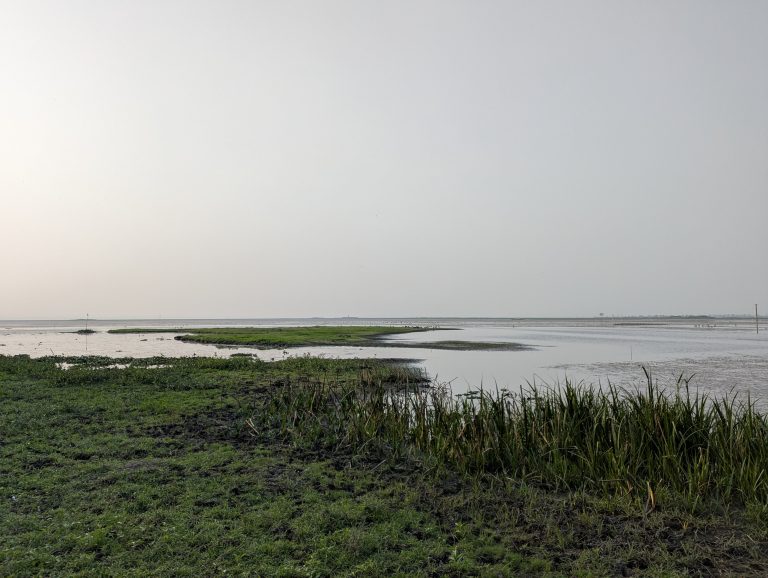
(644, 442)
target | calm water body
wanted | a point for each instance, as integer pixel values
(721, 354)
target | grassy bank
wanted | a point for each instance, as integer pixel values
(678, 446)
(206, 466)
(287, 337)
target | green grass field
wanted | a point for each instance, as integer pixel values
(189, 467)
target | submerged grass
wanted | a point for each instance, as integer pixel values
(649, 442)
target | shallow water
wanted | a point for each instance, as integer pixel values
(723, 354)
(718, 358)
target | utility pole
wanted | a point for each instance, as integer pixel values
(757, 325)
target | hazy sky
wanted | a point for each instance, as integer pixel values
(296, 158)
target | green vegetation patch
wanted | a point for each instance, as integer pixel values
(691, 448)
(173, 467)
(287, 337)
(277, 337)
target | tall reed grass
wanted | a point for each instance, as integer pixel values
(627, 441)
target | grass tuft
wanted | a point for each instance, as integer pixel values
(647, 442)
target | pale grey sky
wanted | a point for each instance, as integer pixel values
(296, 158)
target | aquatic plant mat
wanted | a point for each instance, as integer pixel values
(205, 466)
